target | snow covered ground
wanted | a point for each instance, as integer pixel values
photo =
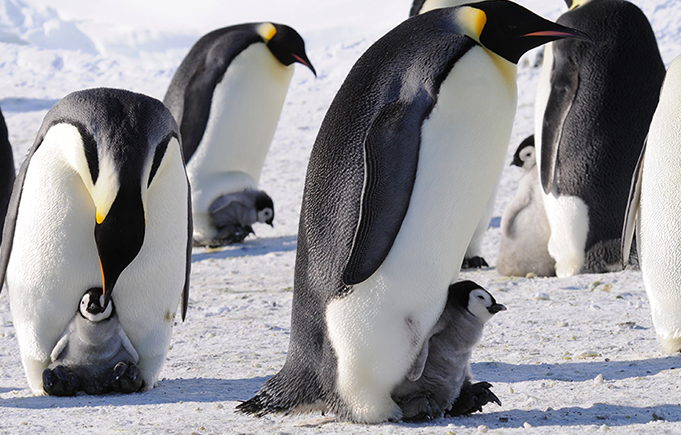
(570, 356)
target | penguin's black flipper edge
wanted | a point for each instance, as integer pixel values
(188, 269)
(632, 206)
(564, 85)
(391, 152)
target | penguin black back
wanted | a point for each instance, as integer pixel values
(7, 172)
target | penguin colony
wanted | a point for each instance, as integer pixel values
(100, 222)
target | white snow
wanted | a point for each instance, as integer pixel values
(570, 356)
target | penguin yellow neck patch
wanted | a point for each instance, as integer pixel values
(472, 21)
(267, 31)
(578, 3)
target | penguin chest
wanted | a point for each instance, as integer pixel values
(378, 329)
(244, 112)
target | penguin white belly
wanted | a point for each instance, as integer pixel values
(54, 260)
(429, 5)
(659, 224)
(244, 112)
(149, 290)
(378, 329)
(568, 215)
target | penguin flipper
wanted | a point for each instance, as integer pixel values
(188, 270)
(419, 365)
(391, 150)
(61, 345)
(632, 206)
(127, 345)
(564, 85)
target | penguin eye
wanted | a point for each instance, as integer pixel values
(481, 297)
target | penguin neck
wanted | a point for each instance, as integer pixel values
(508, 70)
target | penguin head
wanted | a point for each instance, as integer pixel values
(264, 208)
(510, 30)
(116, 141)
(93, 307)
(285, 44)
(524, 156)
(476, 300)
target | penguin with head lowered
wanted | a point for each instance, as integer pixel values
(102, 200)
(473, 258)
(398, 177)
(593, 107)
(655, 211)
(439, 381)
(226, 96)
(94, 355)
(525, 228)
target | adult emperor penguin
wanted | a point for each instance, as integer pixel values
(226, 96)
(398, 177)
(593, 107)
(7, 173)
(525, 228)
(94, 355)
(473, 258)
(102, 200)
(439, 381)
(655, 211)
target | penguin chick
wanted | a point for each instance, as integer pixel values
(94, 355)
(234, 213)
(439, 382)
(525, 229)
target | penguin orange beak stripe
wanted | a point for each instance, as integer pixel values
(304, 62)
(101, 268)
(561, 34)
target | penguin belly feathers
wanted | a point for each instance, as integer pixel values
(102, 200)
(226, 96)
(593, 108)
(387, 209)
(655, 211)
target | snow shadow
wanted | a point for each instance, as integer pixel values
(199, 390)
(26, 104)
(574, 371)
(254, 247)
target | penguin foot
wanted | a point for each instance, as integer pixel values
(230, 234)
(124, 378)
(60, 381)
(420, 408)
(472, 398)
(474, 263)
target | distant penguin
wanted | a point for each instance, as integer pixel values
(441, 375)
(525, 228)
(655, 211)
(398, 178)
(7, 173)
(226, 96)
(593, 108)
(102, 200)
(422, 6)
(94, 355)
(473, 258)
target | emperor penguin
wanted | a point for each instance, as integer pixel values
(525, 228)
(94, 355)
(655, 211)
(439, 381)
(7, 173)
(226, 96)
(398, 177)
(101, 200)
(473, 258)
(593, 107)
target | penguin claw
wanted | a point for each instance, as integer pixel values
(124, 378)
(419, 409)
(60, 381)
(472, 398)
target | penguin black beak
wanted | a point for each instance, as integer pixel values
(305, 61)
(119, 238)
(495, 308)
(565, 32)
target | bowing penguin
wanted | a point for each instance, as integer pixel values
(226, 96)
(102, 200)
(398, 178)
